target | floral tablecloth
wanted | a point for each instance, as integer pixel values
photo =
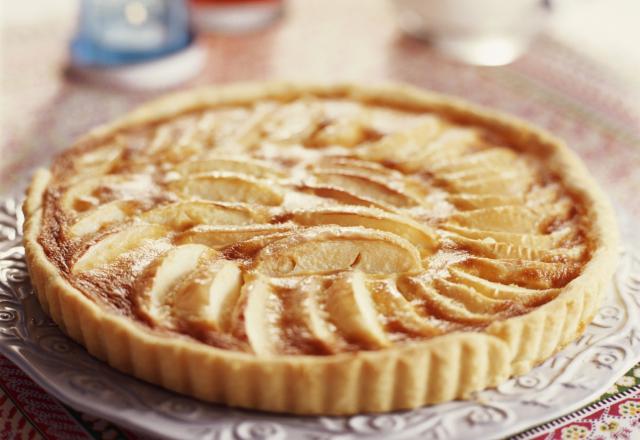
(320, 40)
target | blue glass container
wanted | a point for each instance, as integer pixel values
(119, 32)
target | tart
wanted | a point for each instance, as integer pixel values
(319, 249)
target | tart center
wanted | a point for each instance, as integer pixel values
(313, 226)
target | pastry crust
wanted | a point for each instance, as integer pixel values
(402, 376)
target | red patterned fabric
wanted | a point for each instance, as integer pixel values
(28, 412)
(615, 418)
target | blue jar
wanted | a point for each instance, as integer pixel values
(119, 32)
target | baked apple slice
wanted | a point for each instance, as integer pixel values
(416, 233)
(112, 245)
(183, 215)
(353, 312)
(227, 187)
(165, 274)
(326, 250)
(209, 294)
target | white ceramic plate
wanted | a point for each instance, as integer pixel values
(168, 71)
(577, 375)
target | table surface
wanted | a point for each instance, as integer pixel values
(586, 93)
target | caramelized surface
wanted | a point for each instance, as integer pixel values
(314, 226)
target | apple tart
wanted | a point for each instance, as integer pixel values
(319, 249)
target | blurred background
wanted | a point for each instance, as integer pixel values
(571, 66)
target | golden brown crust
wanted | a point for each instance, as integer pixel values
(404, 376)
